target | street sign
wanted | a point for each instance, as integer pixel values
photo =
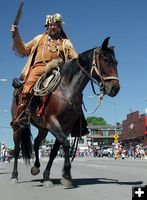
(115, 141)
(116, 136)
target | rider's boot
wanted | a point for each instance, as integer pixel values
(22, 118)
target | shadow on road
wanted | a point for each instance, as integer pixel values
(1, 173)
(89, 181)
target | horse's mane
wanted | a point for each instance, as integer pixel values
(71, 68)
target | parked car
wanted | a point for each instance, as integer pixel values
(105, 151)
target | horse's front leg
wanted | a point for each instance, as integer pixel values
(67, 179)
(52, 156)
(55, 128)
(16, 138)
(37, 142)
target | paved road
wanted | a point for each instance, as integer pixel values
(95, 179)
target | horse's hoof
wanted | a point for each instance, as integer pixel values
(67, 183)
(35, 171)
(47, 184)
(14, 181)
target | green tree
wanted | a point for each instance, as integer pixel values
(95, 120)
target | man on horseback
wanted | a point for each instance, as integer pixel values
(46, 51)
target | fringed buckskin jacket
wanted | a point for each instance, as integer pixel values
(28, 49)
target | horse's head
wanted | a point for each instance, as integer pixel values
(104, 69)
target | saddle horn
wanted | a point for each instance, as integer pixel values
(105, 43)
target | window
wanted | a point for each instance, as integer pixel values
(105, 133)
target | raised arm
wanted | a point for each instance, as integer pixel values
(19, 46)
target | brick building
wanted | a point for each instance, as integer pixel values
(134, 129)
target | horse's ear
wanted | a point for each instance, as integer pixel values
(105, 43)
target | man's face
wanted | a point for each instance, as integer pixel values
(54, 29)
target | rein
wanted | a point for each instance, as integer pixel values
(89, 75)
(101, 95)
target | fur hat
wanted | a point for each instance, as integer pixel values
(54, 18)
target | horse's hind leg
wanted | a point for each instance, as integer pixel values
(53, 154)
(37, 142)
(16, 138)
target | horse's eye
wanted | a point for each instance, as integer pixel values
(106, 60)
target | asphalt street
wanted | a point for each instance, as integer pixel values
(94, 179)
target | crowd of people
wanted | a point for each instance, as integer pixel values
(138, 151)
(115, 151)
(4, 153)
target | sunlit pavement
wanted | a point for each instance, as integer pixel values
(94, 178)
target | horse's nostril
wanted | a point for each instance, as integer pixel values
(115, 89)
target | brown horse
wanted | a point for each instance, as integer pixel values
(63, 108)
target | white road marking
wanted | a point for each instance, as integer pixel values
(94, 165)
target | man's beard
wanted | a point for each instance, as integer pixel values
(55, 34)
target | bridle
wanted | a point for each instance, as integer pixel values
(96, 67)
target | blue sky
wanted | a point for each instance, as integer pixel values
(87, 23)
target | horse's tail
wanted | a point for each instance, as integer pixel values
(26, 144)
